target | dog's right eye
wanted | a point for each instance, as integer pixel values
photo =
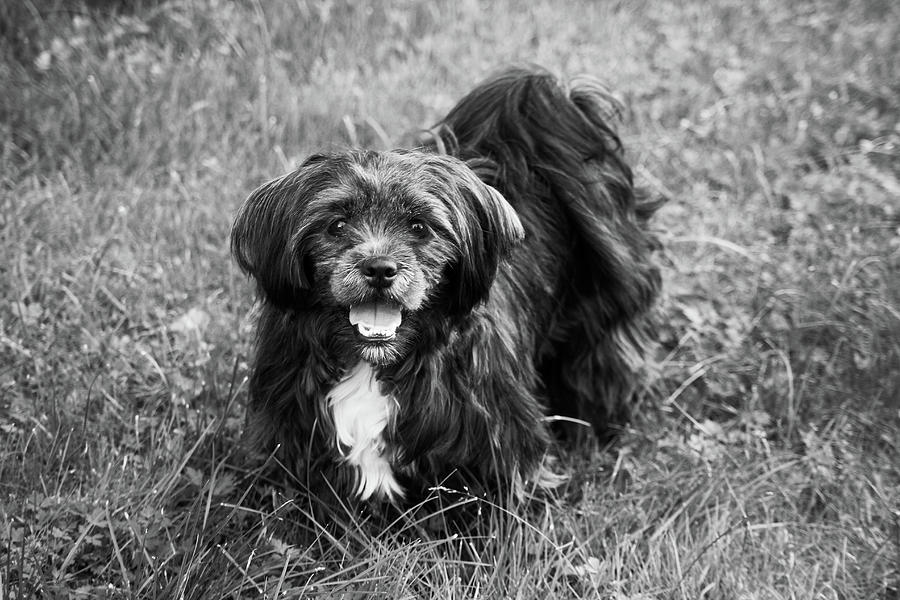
(419, 229)
(336, 229)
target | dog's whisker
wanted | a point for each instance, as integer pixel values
(564, 419)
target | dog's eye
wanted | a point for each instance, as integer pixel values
(337, 228)
(419, 229)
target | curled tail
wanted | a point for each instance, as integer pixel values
(531, 137)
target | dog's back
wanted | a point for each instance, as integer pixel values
(585, 264)
(416, 326)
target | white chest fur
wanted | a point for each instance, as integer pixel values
(361, 412)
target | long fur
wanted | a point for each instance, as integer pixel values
(528, 297)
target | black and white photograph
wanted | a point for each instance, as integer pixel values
(476, 299)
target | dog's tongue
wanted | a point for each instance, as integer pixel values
(376, 320)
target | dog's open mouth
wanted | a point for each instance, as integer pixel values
(376, 321)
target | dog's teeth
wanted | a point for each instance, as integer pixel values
(373, 332)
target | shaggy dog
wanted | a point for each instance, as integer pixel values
(423, 311)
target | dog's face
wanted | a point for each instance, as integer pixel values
(375, 243)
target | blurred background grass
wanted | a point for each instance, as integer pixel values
(765, 462)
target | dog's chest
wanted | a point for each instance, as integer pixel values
(361, 412)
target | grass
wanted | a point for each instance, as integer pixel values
(763, 464)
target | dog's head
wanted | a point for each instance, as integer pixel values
(375, 242)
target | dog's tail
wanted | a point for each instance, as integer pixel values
(532, 137)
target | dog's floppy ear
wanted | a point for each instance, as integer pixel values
(263, 230)
(487, 229)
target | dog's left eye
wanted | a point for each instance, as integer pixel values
(337, 228)
(419, 229)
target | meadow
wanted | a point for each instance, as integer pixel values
(763, 460)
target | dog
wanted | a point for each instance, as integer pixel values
(424, 311)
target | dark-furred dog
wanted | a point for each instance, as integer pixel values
(425, 310)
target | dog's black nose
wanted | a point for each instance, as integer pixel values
(379, 271)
